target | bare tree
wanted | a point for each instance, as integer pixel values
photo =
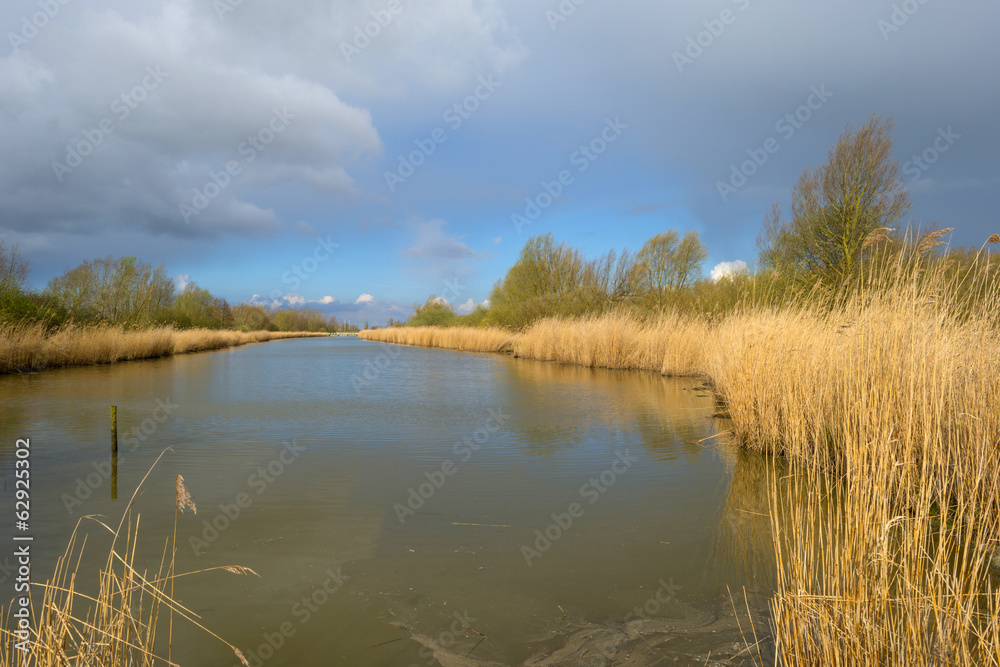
(122, 291)
(691, 256)
(14, 270)
(836, 207)
(668, 263)
(656, 260)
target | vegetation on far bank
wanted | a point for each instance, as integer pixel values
(30, 347)
(110, 310)
(132, 295)
(863, 354)
(846, 231)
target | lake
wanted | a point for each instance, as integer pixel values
(404, 506)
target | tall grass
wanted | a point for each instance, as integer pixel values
(117, 626)
(884, 402)
(30, 347)
(466, 339)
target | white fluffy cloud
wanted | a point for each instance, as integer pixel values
(365, 298)
(467, 307)
(724, 269)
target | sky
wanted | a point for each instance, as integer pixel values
(359, 156)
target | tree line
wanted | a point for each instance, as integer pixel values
(127, 292)
(844, 233)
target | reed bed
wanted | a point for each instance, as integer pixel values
(670, 344)
(466, 339)
(885, 518)
(122, 624)
(888, 410)
(30, 347)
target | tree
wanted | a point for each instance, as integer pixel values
(14, 271)
(691, 256)
(434, 312)
(837, 207)
(194, 308)
(120, 291)
(248, 317)
(656, 261)
(666, 264)
(550, 279)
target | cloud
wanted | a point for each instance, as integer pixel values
(365, 298)
(724, 269)
(182, 281)
(305, 229)
(81, 158)
(466, 307)
(433, 243)
(291, 300)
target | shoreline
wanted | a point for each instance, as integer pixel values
(28, 348)
(891, 397)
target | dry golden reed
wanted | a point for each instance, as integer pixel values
(29, 347)
(466, 339)
(183, 498)
(117, 626)
(886, 523)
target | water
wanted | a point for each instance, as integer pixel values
(385, 493)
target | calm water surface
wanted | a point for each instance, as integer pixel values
(389, 492)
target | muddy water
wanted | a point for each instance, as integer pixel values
(407, 506)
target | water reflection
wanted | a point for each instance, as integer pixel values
(685, 513)
(562, 405)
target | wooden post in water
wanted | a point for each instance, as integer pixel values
(114, 476)
(114, 429)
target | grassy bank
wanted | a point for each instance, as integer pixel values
(30, 347)
(886, 407)
(466, 339)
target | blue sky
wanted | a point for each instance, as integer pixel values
(246, 145)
